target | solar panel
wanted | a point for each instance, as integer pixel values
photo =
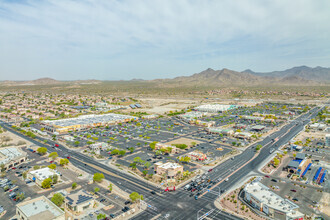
(82, 198)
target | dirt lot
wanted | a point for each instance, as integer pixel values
(13, 140)
(160, 106)
(325, 203)
(312, 135)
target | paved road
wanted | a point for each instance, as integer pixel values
(178, 205)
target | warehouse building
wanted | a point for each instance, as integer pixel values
(11, 157)
(85, 122)
(261, 198)
(215, 108)
(188, 116)
(38, 209)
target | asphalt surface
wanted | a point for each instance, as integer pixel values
(179, 205)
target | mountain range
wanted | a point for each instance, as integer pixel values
(298, 76)
(302, 75)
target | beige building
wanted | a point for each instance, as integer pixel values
(159, 146)
(171, 170)
(38, 176)
(38, 209)
(261, 198)
(203, 123)
(196, 155)
(11, 157)
(85, 122)
(79, 201)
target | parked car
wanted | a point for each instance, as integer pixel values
(125, 209)
(293, 190)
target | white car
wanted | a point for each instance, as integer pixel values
(227, 180)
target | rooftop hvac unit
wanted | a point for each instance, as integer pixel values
(36, 207)
(47, 206)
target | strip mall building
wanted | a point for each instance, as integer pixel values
(261, 198)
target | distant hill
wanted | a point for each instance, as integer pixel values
(47, 81)
(296, 76)
(42, 81)
(318, 74)
(218, 77)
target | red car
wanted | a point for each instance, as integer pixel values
(14, 168)
(68, 157)
(51, 161)
(56, 145)
(210, 170)
(193, 190)
(267, 176)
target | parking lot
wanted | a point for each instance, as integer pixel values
(135, 138)
(305, 196)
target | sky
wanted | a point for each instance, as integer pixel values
(149, 39)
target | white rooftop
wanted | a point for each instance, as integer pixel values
(40, 208)
(168, 165)
(269, 198)
(88, 119)
(43, 173)
(8, 154)
(215, 107)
